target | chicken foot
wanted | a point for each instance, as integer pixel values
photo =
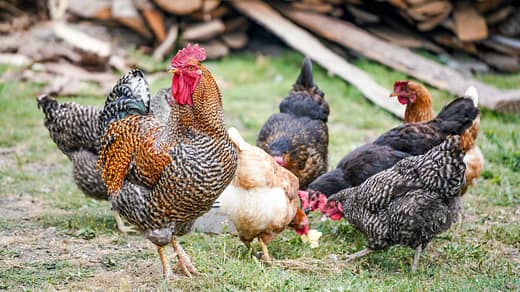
(416, 257)
(121, 225)
(164, 262)
(265, 252)
(183, 261)
(358, 254)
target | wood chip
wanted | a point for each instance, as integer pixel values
(470, 26)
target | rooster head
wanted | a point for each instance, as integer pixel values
(403, 92)
(333, 210)
(187, 71)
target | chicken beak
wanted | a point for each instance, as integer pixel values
(173, 70)
(394, 94)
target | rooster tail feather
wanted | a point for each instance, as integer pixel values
(457, 116)
(130, 96)
(471, 92)
(133, 85)
(305, 79)
(48, 105)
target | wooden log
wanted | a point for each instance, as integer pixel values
(99, 9)
(15, 60)
(154, 17)
(202, 15)
(203, 31)
(316, 7)
(215, 49)
(125, 12)
(304, 42)
(404, 38)
(179, 7)
(470, 26)
(235, 40)
(404, 60)
(236, 24)
(162, 50)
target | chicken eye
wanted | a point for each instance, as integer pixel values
(191, 68)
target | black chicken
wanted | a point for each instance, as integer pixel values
(297, 137)
(409, 203)
(402, 141)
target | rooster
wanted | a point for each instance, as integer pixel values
(75, 130)
(418, 103)
(408, 203)
(181, 165)
(262, 199)
(297, 137)
(406, 140)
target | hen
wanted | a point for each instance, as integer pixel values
(418, 103)
(75, 130)
(297, 137)
(406, 140)
(262, 199)
(181, 165)
(409, 203)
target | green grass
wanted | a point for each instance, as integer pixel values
(483, 253)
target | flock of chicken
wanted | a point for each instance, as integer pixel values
(165, 160)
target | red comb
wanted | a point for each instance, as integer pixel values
(189, 52)
(399, 84)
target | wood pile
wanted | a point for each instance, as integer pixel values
(91, 34)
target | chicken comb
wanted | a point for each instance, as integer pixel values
(189, 52)
(399, 84)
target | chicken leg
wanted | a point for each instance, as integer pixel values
(183, 261)
(164, 262)
(416, 257)
(265, 252)
(121, 226)
(358, 254)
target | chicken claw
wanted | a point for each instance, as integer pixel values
(183, 261)
(121, 226)
(358, 254)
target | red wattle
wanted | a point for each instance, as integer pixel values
(402, 100)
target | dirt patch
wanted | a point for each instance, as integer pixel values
(21, 207)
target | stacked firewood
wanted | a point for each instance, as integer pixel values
(487, 29)
(163, 23)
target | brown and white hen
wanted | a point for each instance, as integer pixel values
(262, 199)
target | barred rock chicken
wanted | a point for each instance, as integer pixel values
(408, 203)
(297, 137)
(74, 128)
(418, 103)
(262, 199)
(182, 165)
(406, 140)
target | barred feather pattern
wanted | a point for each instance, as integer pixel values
(411, 202)
(76, 129)
(71, 126)
(201, 161)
